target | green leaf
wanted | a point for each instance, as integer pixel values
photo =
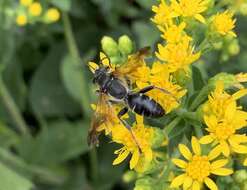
(146, 33)
(198, 81)
(7, 136)
(61, 141)
(10, 180)
(48, 96)
(62, 4)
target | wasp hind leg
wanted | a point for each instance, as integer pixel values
(152, 87)
(120, 114)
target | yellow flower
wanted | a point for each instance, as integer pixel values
(21, 20)
(223, 118)
(198, 168)
(143, 136)
(178, 56)
(223, 23)
(52, 15)
(190, 8)
(164, 14)
(173, 33)
(25, 2)
(241, 77)
(35, 9)
(245, 162)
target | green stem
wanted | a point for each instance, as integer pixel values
(171, 125)
(94, 165)
(198, 130)
(187, 114)
(74, 52)
(13, 109)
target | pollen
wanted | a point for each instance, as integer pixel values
(198, 168)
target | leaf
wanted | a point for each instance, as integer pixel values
(147, 4)
(146, 33)
(198, 81)
(10, 180)
(61, 141)
(7, 136)
(48, 96)
(62, 4)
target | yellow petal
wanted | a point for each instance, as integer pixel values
(241, 149)
(185, 151)
(177, 181)
(232, 33)
(222, 171)
(206, 139)
(210, 183)
(196, 185)
(200, 18)
(230, 110)
(134, 159)
(121, 157)
(148, 155)
(225, 148)
(179, 163)
(187, 182)
(195, 146)
(214, 153)
(218, 164)
(93, 66)
(239, 94)
(104, 59)
(245, 162)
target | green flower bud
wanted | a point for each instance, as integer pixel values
(109, 46)
(243, 8)
(218, 45)
(234, 48)
(240, 176)
(129, 176)
(228, 79)
(125, 45)
(182, 77)
(146, 183)
(158, 138)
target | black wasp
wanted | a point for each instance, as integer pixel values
(114, 88)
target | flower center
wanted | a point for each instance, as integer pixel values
(223, 132)
(198, 168)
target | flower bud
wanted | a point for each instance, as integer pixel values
(146, 183)
(183, 77)
(109, 46)
(129, 176)
(125, 45)
(243, 8)
(240, 176)
(158, 138)
(228, 79)
(218, 45)
(234, 48)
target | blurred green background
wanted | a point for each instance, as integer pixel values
(46, 91)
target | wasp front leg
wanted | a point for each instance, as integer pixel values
(120, 114)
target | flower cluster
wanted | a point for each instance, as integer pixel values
(29, 11)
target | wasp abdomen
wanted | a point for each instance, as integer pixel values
(143, 105)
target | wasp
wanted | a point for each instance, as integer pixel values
(114, 87)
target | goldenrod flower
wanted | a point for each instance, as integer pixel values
(143, 136)
(198, 168)
(223, 118)
(35, 9)
(164, 14)
(52, 15)
(223, 23)
(21, 20)
(241, 77)
(190, 8)
(26, 2)
(178, 56)
(173, 33)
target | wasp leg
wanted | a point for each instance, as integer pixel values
(120, 114)
(152, 87)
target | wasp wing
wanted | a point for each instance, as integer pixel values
(135, 61)
(102, 114)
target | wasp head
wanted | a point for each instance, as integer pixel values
(100, 74)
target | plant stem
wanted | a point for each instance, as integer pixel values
(167, 130)
(94, 165)
(13, 109)
(74, 52)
